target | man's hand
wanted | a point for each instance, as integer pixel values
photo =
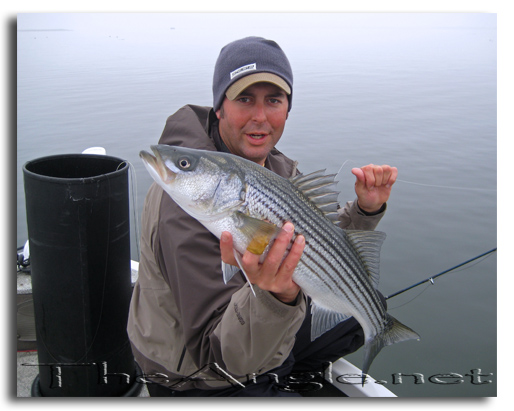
(373, 185)
(273, 275)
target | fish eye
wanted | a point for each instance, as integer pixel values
(184, 163)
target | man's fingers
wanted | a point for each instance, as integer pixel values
(227, 248)
(292, 259)
(376, 176)
(280, 246)
(392, 177)
(357, 172)
(276, 271)
(378, 172)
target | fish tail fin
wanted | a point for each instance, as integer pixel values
(393, 332)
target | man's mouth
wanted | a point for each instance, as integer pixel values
(257, 136)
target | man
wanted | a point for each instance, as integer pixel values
(192, 334)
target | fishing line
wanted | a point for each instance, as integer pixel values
(448, 187)
(412, 299)
(428, 185)
(472, 265)
(133, 189)
(431, 279)
(432, 283)
(341, 168)
(135, 208)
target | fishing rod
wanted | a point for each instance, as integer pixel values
(431, 279)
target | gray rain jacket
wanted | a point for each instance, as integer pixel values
(188, 329)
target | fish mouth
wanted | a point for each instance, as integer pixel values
(156, 164)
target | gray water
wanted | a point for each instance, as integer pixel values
(417, 91)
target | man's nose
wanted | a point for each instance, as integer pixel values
(259, 112)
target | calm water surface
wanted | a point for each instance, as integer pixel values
(414, 91)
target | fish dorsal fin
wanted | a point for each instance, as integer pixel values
(324, 320)
(319, 188)
(299, 178)
(368, 244)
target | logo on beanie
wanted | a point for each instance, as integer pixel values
(242, 70)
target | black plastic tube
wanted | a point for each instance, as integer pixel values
(79, 238)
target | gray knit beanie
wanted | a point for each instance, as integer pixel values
(248, 61)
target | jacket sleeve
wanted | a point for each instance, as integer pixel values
(223, 323)
(351, 217)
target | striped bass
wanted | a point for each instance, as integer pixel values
(338, 270)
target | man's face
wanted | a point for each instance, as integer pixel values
(253, 122)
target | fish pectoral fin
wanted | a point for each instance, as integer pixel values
(394, 331)
(324, 320)
(259, 232)
(368, 244)
(238, 257)
(228, 271)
